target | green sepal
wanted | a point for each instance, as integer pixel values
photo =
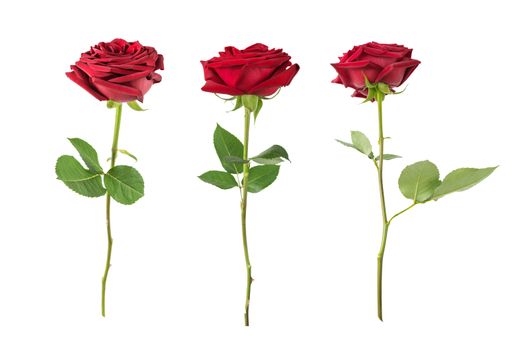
(88, 154)
(250, 102)
(370, 95)
(124, 184)
(418, 181)
(368, 83)
(220, 179)
(261, 176)
(227, 145)
(135, 106)
(112, 104)
(80, 180)
(272, 155)
(231, 98)
(238, 103)
(384, 88)
(460, 180)
(271, 96)
(257, 109)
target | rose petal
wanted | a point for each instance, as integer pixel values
(229, 75)
(212, 86)
(270, 86)
(130, 77)
(80, 79)
(156, 78)
(256, 47)
(395, 74)
(360, 93)
(159, 62)
(254, 74)
(353, 74)
(117, 92)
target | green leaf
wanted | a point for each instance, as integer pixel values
(388, 156)
(257, 109)
(273, 155)
(220, 179)
(418, 181)
(124, 183)
(88, 154)
(250, 101)
(361, 142)
(135, 106)
(85, 182)
(461, 179)
(261, 176)
(345, 143)
(226, 145)
(127, 153)
(235, 160)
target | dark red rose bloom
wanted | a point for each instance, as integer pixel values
(119, 70)
(255, 70)
(387, 63)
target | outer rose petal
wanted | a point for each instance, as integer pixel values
(218, 88)
(130, 77)
(83, 82)
(156, 78)
(360, 93)
(159, 62)
(228, 75)
(337, 80)
(395, 74)
(409, 71)
(353, 74)
(270, 86)
(117, 92)
(254, 74)
(257, 47)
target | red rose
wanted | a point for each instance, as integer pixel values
(255, 70)
(387, 63)
(119, 70)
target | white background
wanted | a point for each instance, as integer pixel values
(456, 271)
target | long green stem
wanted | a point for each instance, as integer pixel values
(244, 199)
(385, 223)
(109, 232)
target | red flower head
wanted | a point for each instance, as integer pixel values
(119, 70)
(379, 63)
(255, 70)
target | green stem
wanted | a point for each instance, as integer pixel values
(385, 224)
(244, 199)
(109, 232)
(401, 212)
